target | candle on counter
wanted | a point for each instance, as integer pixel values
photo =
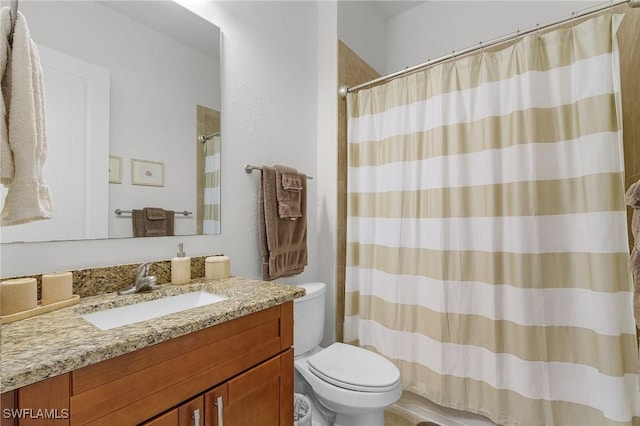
(56, 287)
(217, 267)
(17, 295)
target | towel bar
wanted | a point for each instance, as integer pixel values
(249, 169)
(205, 138)
(119, 212)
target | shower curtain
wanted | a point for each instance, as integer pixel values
(487, 251)
(211, 220)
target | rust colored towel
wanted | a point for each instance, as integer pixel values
(283, 242)
(137, 217)
(153, 222)
(170, 218)
(288, 191)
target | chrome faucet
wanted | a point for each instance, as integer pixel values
(143, 282)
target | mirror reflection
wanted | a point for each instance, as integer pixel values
(133, 120)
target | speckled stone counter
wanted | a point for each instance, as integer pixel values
(61, 341)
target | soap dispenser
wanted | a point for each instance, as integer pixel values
(180, 267)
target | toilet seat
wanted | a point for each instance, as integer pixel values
(354, 368)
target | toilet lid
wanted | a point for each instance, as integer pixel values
(354, 368)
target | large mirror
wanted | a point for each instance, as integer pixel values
(133, 120)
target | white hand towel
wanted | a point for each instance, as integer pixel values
(6, 157)
(29, 197)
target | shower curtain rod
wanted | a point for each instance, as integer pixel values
(344, 90)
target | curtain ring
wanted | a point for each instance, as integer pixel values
(573, 14)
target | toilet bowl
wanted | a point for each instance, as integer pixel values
(352, 382)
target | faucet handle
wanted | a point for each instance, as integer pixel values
(143, 281)
(143, 270)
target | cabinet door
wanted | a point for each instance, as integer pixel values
(215, 404)
(261, 396)
(44, 403)
(169, 418)
(190, 413)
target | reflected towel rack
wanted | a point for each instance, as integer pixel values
(119, 212)
(249, 169)
(205, 138)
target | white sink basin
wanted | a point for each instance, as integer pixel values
(143, 311)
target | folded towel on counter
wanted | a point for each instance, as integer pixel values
(283, 242)
(23, 140)
(289, 191)
(153, 222)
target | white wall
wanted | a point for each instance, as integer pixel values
(436, 28)
(279, 62)
(269, 103)
(327, 154)
(363, 27)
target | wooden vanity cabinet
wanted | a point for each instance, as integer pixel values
(246, 364)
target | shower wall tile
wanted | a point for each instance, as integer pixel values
(628, 36)
(352, 70)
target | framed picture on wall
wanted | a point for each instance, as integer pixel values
(149, 173)
(115, 169)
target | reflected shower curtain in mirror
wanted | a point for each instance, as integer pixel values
(211, 220)
(487, 251)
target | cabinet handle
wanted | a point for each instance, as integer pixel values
(196, 417)
(220, 411)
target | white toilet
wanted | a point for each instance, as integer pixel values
(352, 382)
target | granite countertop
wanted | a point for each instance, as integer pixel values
(61, 341)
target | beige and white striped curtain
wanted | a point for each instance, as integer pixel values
(487, 251)
(211, 220)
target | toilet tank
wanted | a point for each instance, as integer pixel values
(308, 318)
